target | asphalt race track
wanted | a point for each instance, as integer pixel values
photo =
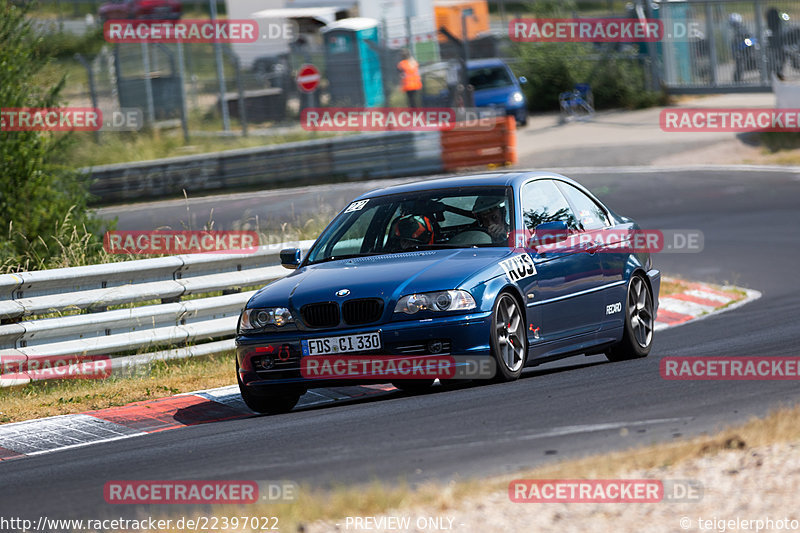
(750, 219)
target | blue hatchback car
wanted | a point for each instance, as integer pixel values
(457, 266)
(496, 86)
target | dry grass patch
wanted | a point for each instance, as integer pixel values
(164, 378)
(672, 286)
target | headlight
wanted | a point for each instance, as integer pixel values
(253, 319)
(435, 301)
(515, 98)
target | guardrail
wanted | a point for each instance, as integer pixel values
(157, 316)
(352, 157)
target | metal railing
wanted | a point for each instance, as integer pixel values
(352, 157)
(153, 315)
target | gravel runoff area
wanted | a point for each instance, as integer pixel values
(754, 487)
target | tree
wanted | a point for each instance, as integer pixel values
(39, 199)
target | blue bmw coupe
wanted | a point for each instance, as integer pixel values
(451, 266)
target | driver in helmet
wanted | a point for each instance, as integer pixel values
(490, 212)
(412, 231)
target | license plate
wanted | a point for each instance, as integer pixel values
(361, 342)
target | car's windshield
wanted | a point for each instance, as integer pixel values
(489, 77)
(452, 218)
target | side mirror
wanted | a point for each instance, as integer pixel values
(291, 257)
(548, 234)
(523, 80)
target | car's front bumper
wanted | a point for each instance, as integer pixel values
(458, 334)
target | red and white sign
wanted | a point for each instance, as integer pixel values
(308, 78)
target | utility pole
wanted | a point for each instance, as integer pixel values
(226, 119)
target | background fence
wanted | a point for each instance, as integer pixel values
(729, 45)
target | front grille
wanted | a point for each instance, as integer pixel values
(362, 311)
(321, 315)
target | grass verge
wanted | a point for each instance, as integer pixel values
(164, 378)
(776, 148)
(158, 144)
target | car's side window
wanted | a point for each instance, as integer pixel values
(590, 215)
(543, 202)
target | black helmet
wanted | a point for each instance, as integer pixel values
(486, 203)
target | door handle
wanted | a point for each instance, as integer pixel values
(592, 247)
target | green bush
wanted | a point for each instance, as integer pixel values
(41, 202)
(617, 80)
(64, 45)
(549, 70)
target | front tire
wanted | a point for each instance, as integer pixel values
(522, 118)
(413, 386)
(268, 404)
(509, 341)
(637, 336)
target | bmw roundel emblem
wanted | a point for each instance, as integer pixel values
(343, 292)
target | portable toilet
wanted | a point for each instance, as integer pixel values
(353, 63)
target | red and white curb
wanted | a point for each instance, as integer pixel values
(699, 301)
(46, 435)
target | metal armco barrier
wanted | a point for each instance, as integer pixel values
(160, 319)
(353, 157)
(466, 148)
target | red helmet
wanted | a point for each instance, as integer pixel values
(415, 228)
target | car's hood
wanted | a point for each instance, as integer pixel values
(498, 95)
(386, 276)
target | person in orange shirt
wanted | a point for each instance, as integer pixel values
(410, 80)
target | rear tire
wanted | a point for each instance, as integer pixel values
(637, 336)
(509, 341)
